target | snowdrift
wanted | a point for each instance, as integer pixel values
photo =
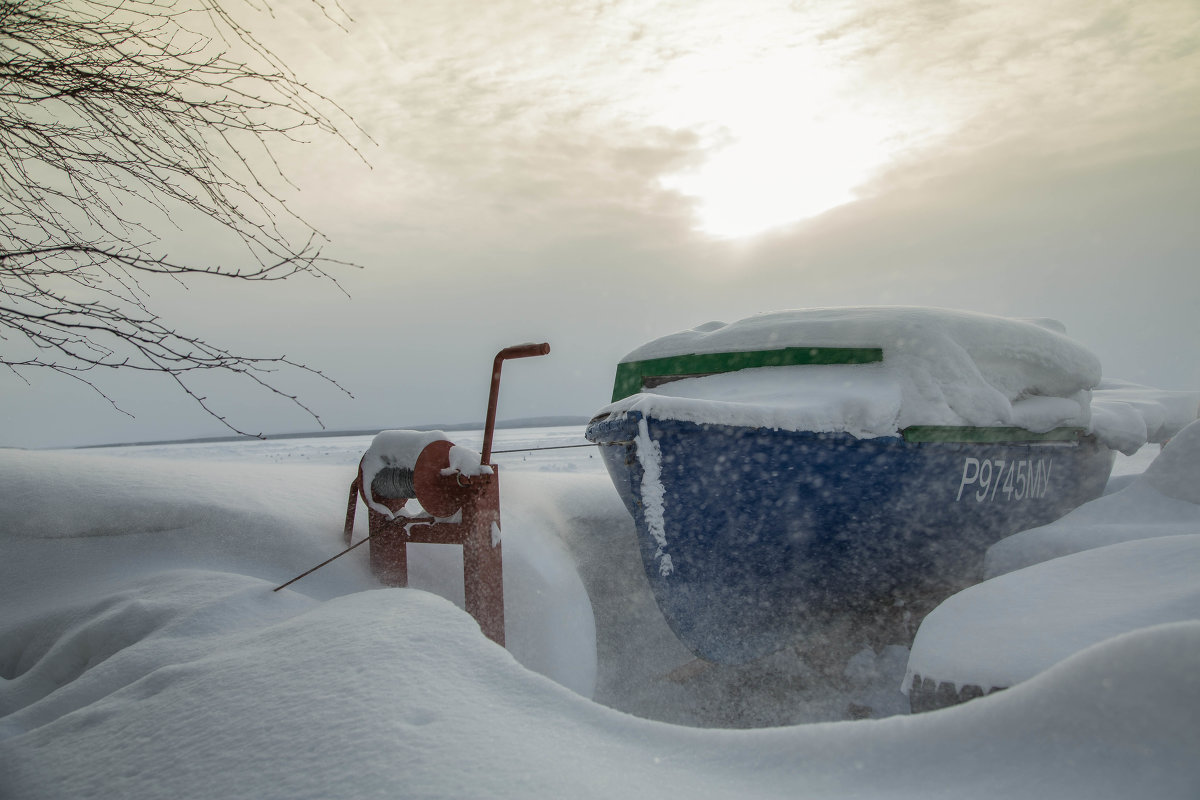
(1126, 561)
(1008, 629)
(1163, 501)
(79, 525)
(143, 655)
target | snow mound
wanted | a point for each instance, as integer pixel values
(1016, 357)
(1127, 415)
(393, 450)
(79, 526)
(864, 400)
(392, 693)
(940, 367)
(1176, 471)
(1008, 629)
(1163, 501)
(144, 655)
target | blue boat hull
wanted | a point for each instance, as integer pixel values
(768, 533)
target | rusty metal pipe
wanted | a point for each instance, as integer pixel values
(516, 351)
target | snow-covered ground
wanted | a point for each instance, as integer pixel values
(1125, 561)
(143, 654)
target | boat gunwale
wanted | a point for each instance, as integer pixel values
(913, 434)
(633, 376)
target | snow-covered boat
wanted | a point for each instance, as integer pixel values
(803, 464)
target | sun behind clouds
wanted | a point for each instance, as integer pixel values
(776, 175)
(791, 136)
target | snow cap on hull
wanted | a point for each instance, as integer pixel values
(868, 371)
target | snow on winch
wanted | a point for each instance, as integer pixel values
(799, 466)
(457, 494)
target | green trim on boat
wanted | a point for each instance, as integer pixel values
(974, 435)
(633, 375)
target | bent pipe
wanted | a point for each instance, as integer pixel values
(516, 351)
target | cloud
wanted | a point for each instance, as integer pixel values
(1040, 160)
(1068, 74)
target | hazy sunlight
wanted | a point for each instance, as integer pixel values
(775, 176)
(790, 134)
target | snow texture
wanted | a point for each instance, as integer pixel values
(1127, 415)
(1163, 501)
(1125, 561)
(1176, 472)
(1008, 629)
(76, 524)
(653, 496)
(940, 367)
(144, 655)
(394, 449)
(465, 461)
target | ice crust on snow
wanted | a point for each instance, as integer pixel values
(940, 367)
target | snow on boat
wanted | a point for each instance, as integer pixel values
(802, 464)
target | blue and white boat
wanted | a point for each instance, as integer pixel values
(799, 465)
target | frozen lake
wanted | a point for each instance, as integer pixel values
(541, 449)
(513, 449)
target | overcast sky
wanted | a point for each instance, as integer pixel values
(596, 174)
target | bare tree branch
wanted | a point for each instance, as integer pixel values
(115, 117)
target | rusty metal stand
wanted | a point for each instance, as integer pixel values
(476, 501)
(483, 561)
